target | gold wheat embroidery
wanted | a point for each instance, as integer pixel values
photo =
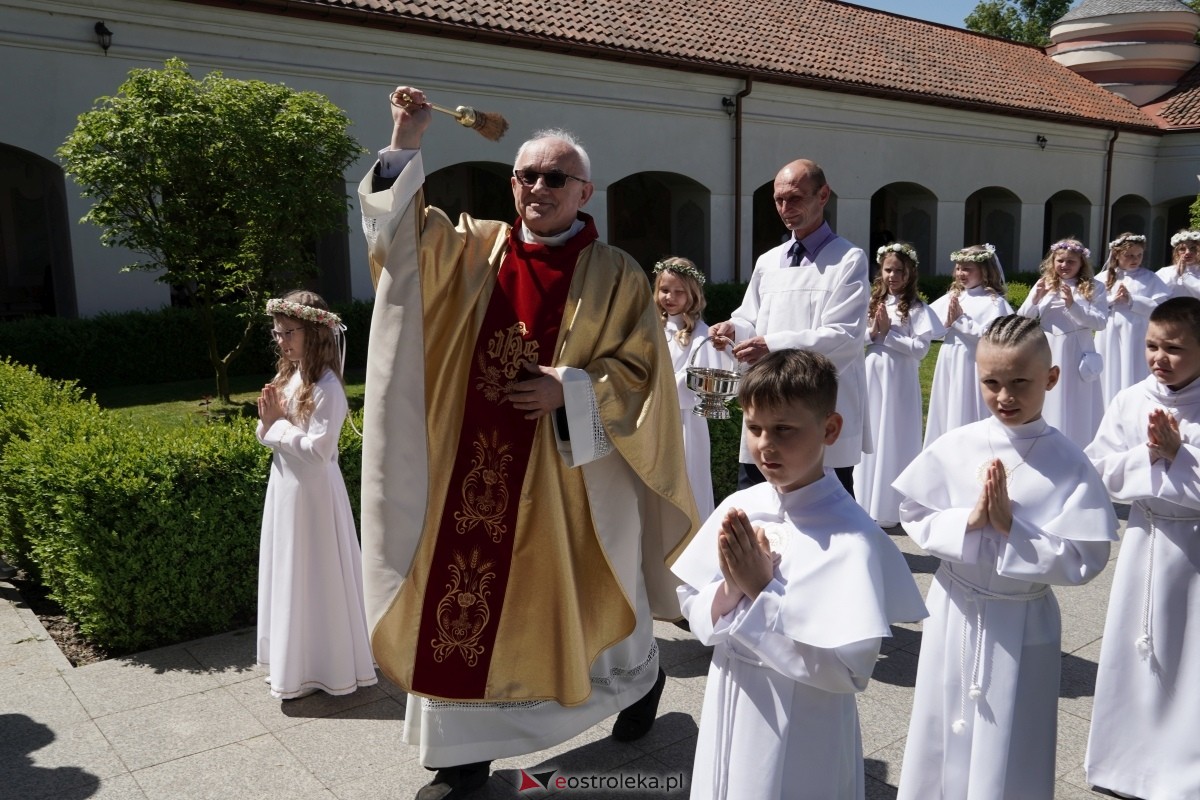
(463, 613)
(485, 489)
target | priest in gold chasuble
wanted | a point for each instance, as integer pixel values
(523, 476)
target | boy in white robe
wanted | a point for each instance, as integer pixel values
(1143, 740)
(795, 586)
(1011, 507)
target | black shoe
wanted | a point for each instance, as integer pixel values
(453, 783)
(635, 722)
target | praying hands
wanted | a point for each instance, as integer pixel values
(746, 561)
(1162, 436)
(993, 507)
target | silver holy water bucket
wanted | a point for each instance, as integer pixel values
(713, 387)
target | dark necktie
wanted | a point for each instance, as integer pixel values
(796, 252)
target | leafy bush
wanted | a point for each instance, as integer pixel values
(143, 539)
(725, 436)
(1017, 292)
(144, 347)
(722, 299)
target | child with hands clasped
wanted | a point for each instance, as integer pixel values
(312, 627)
(795, 587)
(900, 328)
(975, 299)
(1143, 739)
(1011, 507)
(1071, 306)
(1133, 292)
(679, 297)
(1182, 277)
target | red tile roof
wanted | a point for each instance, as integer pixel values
(1180, 108)
(821, 44)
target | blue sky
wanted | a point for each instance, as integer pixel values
(949, 12)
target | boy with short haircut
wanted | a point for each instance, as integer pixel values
(1143, 740)
(795, 586)
(1011, 507)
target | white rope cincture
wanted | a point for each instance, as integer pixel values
(1145, 641)
(977, 595)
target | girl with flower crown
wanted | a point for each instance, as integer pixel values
(975, 299)
(900, 328)
(312, 626)
(1132, 291)
(1182, 277)
(1071, 306)
(679, 296)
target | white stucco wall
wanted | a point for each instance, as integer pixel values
(632, 118)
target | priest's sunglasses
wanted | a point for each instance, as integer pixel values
(555, 178)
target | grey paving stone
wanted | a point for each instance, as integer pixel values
(1072, 745)
(253, 769)
(880, 722)
(255, 696)
(44, 698)
(350, 744)
(121, 684)
(228, 657)
(36, 760)
(118, 787)
(177, 728)
(398, 782)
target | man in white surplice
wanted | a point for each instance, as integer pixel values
(809, 293)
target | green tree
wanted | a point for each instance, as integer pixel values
(1025, 21)
(222, 185)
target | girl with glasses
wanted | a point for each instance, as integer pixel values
(312, 628)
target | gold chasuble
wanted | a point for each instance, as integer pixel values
(494, 585)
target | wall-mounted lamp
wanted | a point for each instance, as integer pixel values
(103, 36)
(1041, 141)
(729, 106)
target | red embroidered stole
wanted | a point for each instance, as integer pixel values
(472, 556)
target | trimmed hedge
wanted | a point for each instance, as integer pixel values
(144, 347)
(143, 540)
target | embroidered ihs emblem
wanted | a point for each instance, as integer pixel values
(507, 351)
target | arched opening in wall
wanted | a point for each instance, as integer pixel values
(1068, 216)
(36, 273)
(657, 214)
(767, 230)
(993, 215)
(905, 212)
(1130, 214)
(1177, 215)
(478, 188)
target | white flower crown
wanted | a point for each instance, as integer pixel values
(1185, 236)
(691, 272)
(897, 247)
(1130, 238)
(307, 313)
(1071, 247)
(978, 256)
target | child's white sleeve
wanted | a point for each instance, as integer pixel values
(1035, 555)
(319, 443)
(1181, 480)
(839, 670)
(941, 532)
(1119, 454)
(697, 609)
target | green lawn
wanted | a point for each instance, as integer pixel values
(166, 405)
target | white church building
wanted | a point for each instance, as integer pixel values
(927, 133)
